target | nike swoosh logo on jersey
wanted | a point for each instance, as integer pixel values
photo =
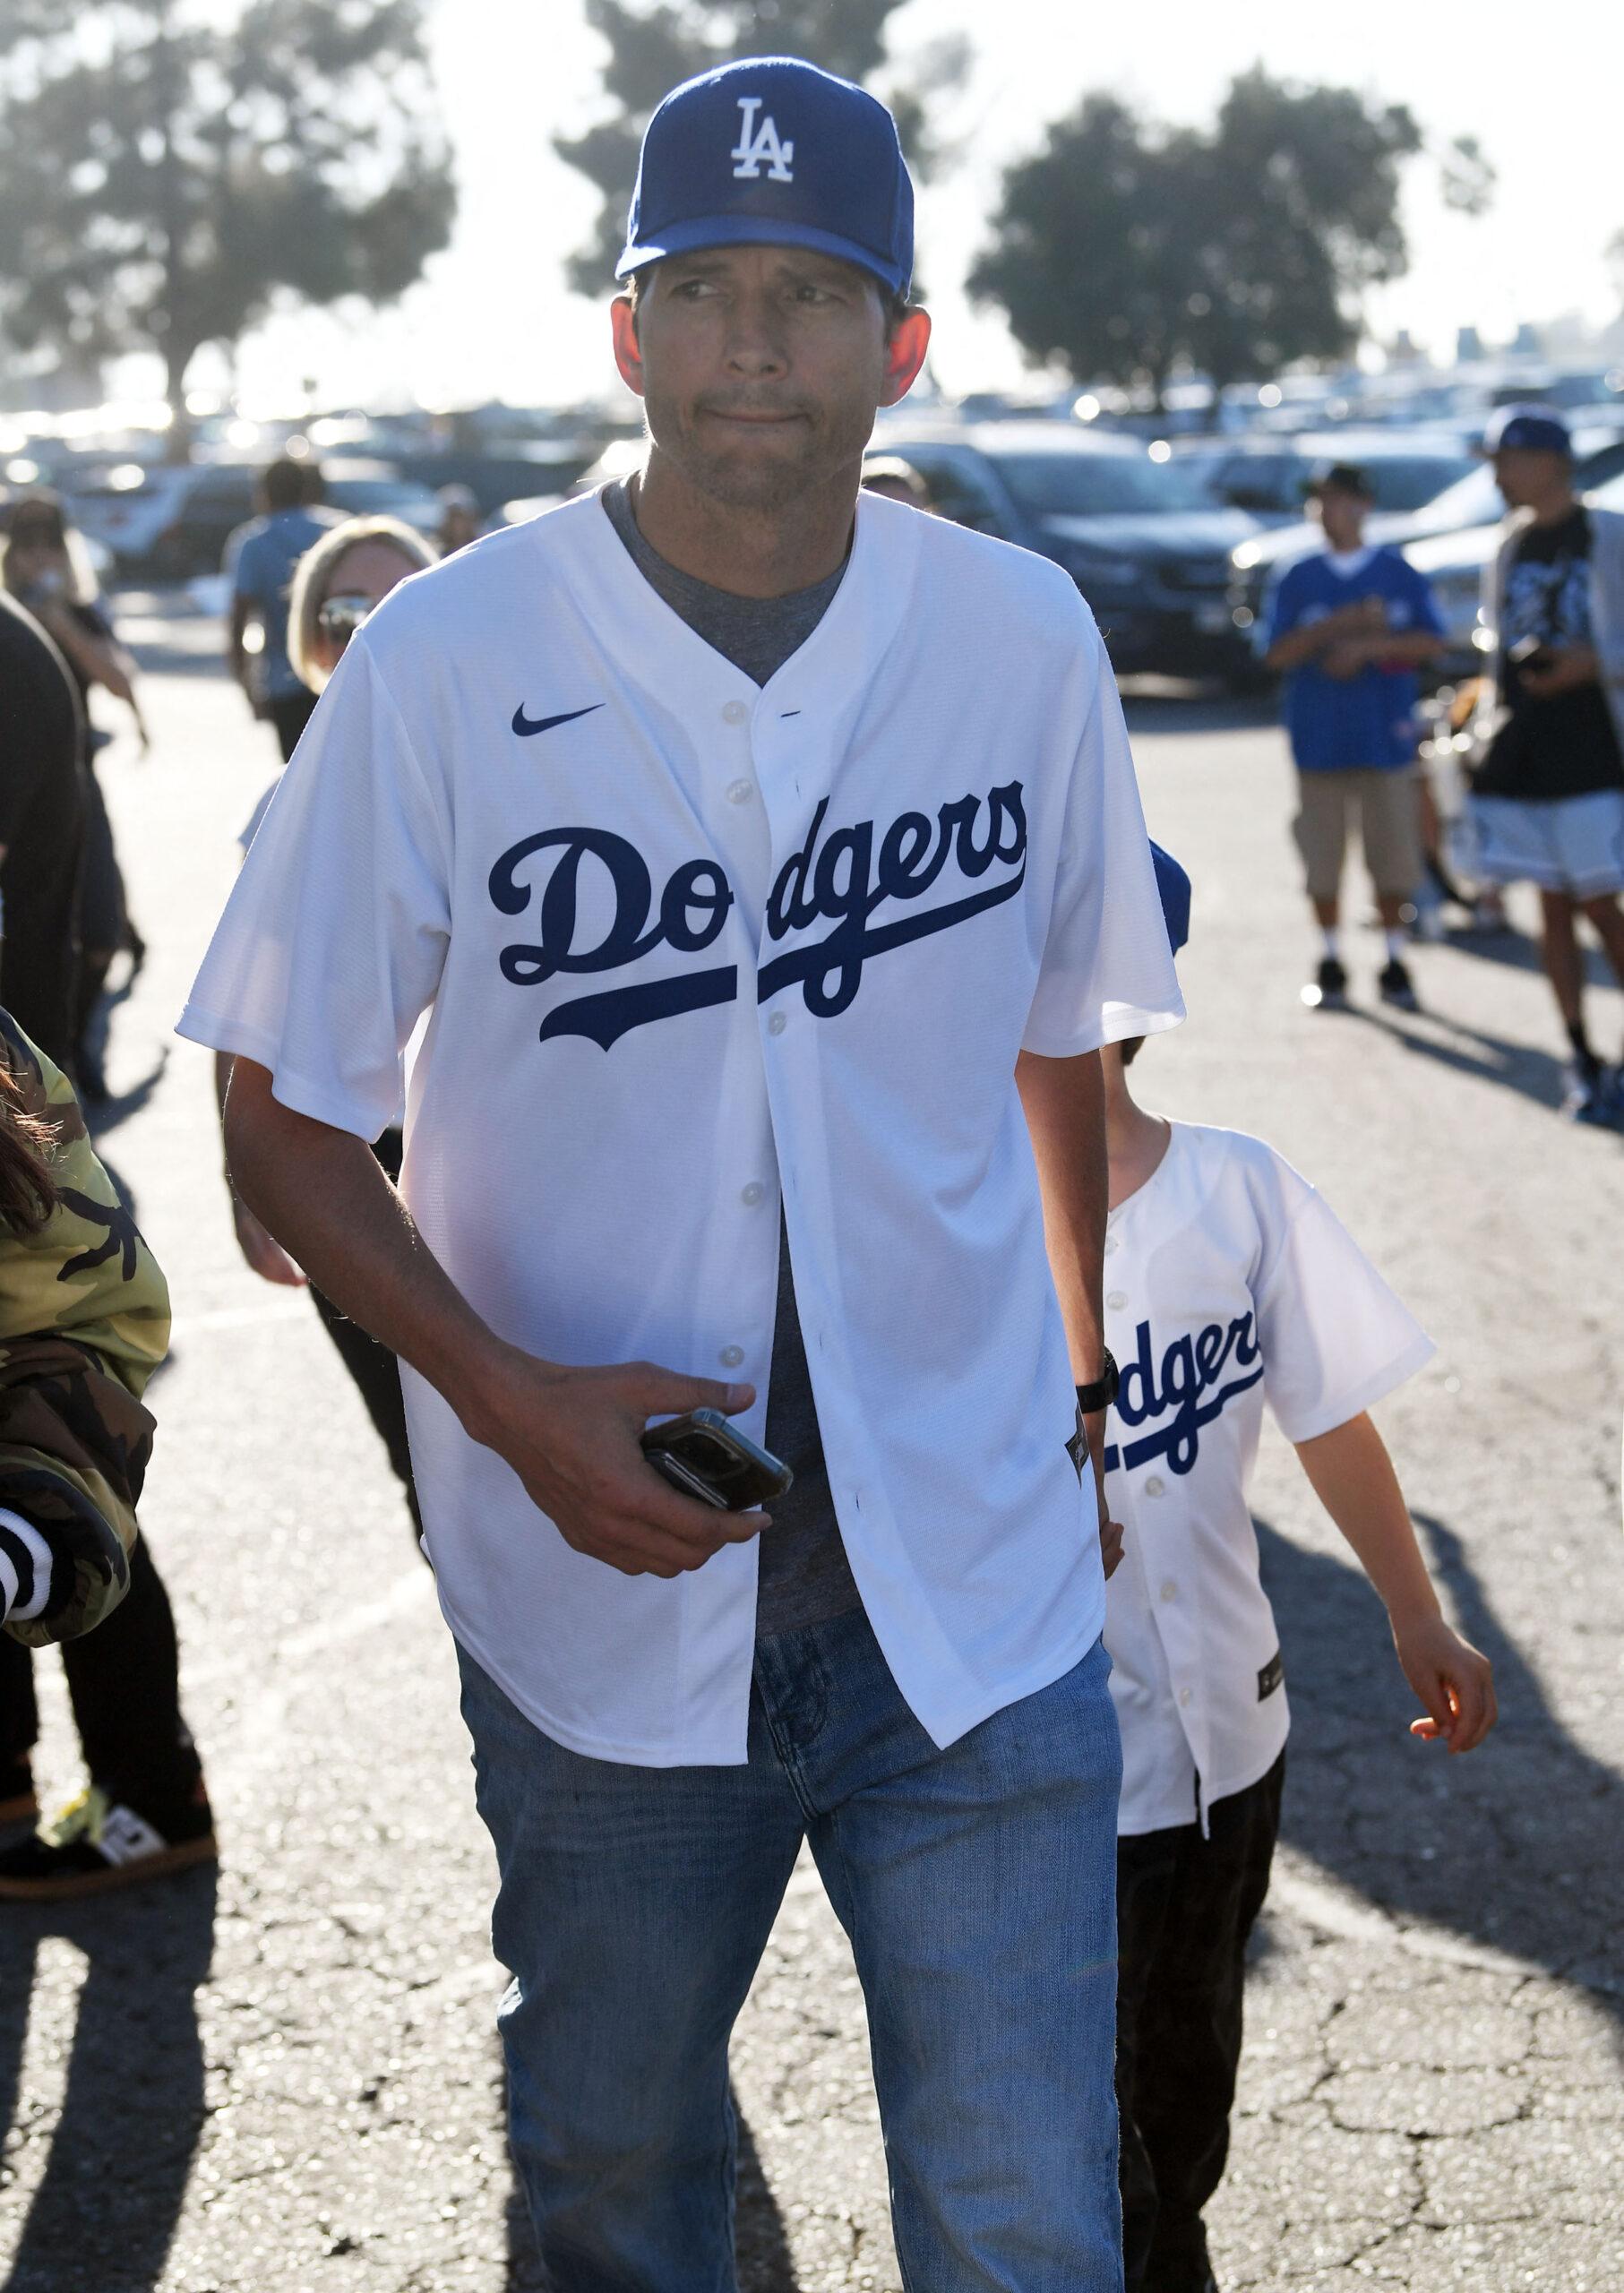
(524, 725)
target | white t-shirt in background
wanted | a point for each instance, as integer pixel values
(1230, 1285)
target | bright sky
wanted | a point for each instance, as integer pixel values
(492, 318)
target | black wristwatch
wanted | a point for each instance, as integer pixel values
(1102, 1393)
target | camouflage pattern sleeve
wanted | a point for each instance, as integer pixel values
(84, 1321)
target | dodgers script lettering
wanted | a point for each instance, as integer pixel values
(1191, 1390)
(843, 879)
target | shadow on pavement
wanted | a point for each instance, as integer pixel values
(102, 1115)
(765, 2265)
(1513, 1847)
(1538, 1075)
(764, 2261)
(1151, 708)
(105, 2213)
(1520, 952)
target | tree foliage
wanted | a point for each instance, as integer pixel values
(166, 170)
(1468, 176)
(655, 45)
(1125, 249)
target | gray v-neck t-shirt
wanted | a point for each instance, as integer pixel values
(805, 1578)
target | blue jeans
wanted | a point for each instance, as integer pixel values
(977, 1885)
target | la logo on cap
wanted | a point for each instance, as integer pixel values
(756, 144)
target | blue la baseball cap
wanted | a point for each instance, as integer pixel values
(1539, 429)
(773, 152)
(1174, 886)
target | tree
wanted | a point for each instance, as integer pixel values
(164, 173)
(1124, 248)
(1093, 258)
(1467, 177)
(654, 44)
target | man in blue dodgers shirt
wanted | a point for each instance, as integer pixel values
(1350, 625)
(770, 862)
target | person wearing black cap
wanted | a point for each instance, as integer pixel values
(770, 859)
(1349, 625)
(1547, 800)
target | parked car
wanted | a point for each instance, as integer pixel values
(1453, 565)
(373, 490)
(163, 522)
(543, 466)
(1472, 500)
(1267, 476)
(172, 524)
(1141, 536)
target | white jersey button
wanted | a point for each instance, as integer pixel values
(734, 713)
(1154, 1486)
(741, 791)
(1110, 1244)
(1184, 1697)
(1170, 1591)
(777, 1024)
(752, 1194)
(1117, 1300)
(731, 1356)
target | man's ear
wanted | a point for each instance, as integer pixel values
(628, 351)
(905, 354)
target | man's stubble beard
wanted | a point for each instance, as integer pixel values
(768, 485)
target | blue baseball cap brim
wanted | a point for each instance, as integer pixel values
(758, 231)
(1174, 885)
(1528, 429)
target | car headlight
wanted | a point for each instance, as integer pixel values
(1244, 558)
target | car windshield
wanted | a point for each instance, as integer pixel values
(1399, 483)
(1404, 481)
(378, 494)
(1101, 485)
(103, 490)
(1473, 500)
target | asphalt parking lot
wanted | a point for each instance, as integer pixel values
(283, 2078)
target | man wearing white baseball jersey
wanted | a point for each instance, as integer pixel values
(771, 866)
(1229, 1285)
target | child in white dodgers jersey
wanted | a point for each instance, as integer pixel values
(1229, 1283)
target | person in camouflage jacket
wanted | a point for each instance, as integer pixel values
(84, 1321)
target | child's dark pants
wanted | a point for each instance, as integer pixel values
(1185, 1907)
